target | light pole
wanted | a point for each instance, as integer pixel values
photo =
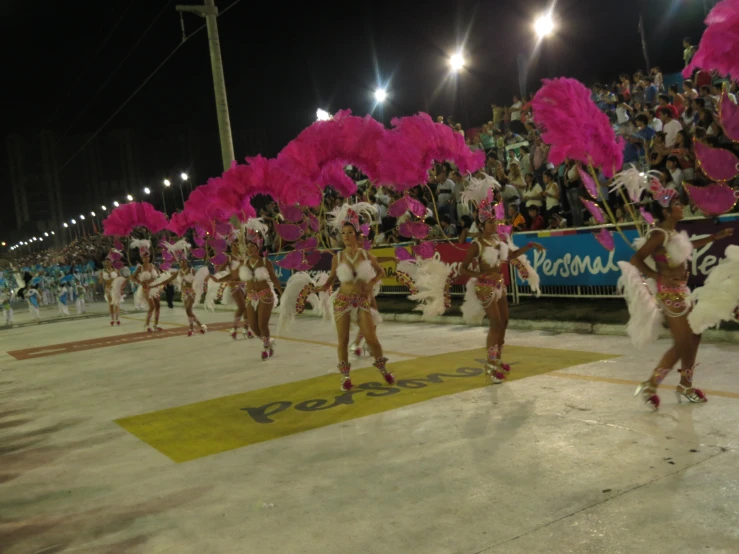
(185, 179)
(166, 184)
(210, 13)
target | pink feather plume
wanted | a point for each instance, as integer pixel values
(719, 44)
(126, 217)
(574, 127)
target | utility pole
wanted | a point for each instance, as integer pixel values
(210, 13)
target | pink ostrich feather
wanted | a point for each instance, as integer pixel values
(595, 210)
(289, 231)
(605, 238)
(219, 259)
(729, 117)
(649, 218)
(504, 231)
(125, 218)
(424, 250)
(574, 127)
(416, 230)
(317, 156)
(307, 244)
(299, 260)
(719, 164)
(402, 254)
(179, 223)
(406, 204)
(713, 199)
(589, 183)
(409, 150)
(719, 44)
(292, 214)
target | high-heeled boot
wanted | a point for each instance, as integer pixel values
(346, 382)
(380, 364)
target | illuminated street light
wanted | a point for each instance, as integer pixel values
(380, 95)
(167, 182)
(52, 232)
(92, 214)
(82, 217)
(2, 243)
(66, 225)
(456, 61)
(146, 190)
(322, 115)
(130, 198)
(104, 208)
(544, 25)
(183, 176)
(116, 204)
(45, 234)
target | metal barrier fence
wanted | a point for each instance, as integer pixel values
(515, 291)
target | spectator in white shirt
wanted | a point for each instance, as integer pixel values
(670, 126)
(676, 174)
(655, 122)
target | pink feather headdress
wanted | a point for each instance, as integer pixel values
(126, 217)
(350, 214)
(479, 195)
(719, 44)
(143, 245)
(179, 250)
(662, 195)
(574, 127)
(255, 230)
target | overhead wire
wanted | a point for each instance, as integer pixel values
(141, 86)
(113, 73)
(90, 60)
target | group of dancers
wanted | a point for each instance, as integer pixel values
(44, 289)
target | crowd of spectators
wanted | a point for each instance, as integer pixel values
(659, 126)
(84, 249)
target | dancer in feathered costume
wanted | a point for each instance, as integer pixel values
(358, 272)
(261, 282)
(228, 274)
(79, 296)
(113, 282)
(655, 285)
(33, 296)
(6, 294)
(62, 297)
(189, 282)
(148, 292)
(486, 290)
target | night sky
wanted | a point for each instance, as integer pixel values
(281, 63)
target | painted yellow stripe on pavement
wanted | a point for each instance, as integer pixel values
(218, 425)
(726, 394)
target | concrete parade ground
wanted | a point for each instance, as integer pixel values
(113, 440)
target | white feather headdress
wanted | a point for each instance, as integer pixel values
(351, 214)
(179, 249)
(255, 230)
(634, 181)
(477, 190)
(144, 245)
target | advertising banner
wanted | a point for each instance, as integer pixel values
(575, 258)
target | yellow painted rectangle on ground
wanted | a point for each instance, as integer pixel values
(205, 428)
